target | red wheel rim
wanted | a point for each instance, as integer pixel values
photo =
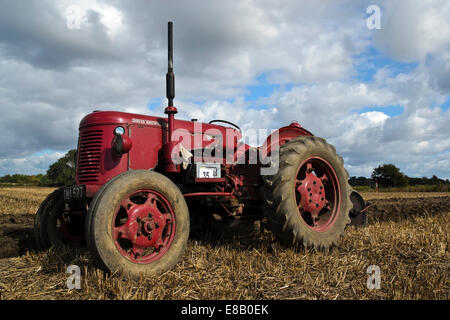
(317, 194)
(143, 226)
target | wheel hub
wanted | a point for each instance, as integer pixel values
(317, 205)
(144, 226)
(312, 194)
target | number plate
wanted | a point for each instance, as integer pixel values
(208, 170)
(75, 192)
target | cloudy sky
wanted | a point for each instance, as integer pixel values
(379, 95)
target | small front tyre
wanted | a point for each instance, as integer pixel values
(139, 225)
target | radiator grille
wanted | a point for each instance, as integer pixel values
(90, 150)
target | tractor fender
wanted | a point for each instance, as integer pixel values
(283, 135)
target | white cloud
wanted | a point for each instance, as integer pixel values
(411, 30)
(29, 165)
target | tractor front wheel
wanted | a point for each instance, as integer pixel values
(307, 202)
(139, 224)
(52, 228)
(40, 219)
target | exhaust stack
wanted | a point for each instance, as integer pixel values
(170, 76)
(170, 109)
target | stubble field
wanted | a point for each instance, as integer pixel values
(407, 237)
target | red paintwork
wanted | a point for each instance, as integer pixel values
(317, 188)
(97, 163)
(147, 134)
(127, 144)
(169, 166)
(312, 193)
(146, 227)
(284, 134)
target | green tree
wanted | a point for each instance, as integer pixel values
(389, 175)
(62, 172)
(45, 181)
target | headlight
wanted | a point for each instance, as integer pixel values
(119, 131)
(121, 143)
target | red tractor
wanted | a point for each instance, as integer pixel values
(143, 183)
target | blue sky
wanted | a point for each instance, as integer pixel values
(262, 88)
(372, 60)
(445, 105)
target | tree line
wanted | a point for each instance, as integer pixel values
(389, 176)
(62, 172)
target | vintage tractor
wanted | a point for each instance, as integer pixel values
(143, 183)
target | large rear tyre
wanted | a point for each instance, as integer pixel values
(139, 225)
(307, 202)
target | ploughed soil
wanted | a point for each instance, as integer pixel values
(392, 209)
(407, 237)
(16, 234)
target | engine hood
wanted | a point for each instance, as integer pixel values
(116, 117)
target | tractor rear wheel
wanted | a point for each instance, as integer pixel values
(139, 225)
(307, 202)
(53, 229)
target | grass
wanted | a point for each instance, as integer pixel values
(22, 199)
(406, 237)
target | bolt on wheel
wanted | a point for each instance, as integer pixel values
(307, 202)
(144, 226)
(317, 193)
(138, 224)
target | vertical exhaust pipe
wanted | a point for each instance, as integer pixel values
(170, 109)
(170, 76)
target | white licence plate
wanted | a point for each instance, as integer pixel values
(208, 171)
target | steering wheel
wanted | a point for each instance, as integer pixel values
(227, 122)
